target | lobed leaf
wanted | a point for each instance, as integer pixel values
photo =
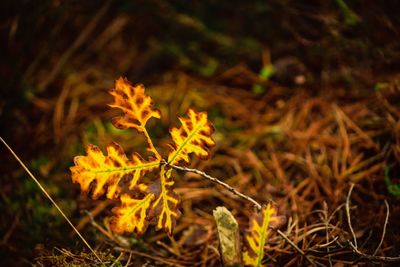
(132, 214)
(260, 224)
(134, 103)
(165, 207)
(194, 136)
(107, 171)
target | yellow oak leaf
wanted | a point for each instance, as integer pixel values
(165, 207)
(105, 174)
(107, 171)
(260, 225)
(194, 136)
(134, 103)
(131, 215)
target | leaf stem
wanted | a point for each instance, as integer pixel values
(151, 147)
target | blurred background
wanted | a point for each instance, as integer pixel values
(304, 96)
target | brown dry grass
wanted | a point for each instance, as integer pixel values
(298, 150)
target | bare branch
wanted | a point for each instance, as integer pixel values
(372, 257)
(215, 180)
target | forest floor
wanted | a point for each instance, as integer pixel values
(323, 147)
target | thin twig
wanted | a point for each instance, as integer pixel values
(328, 244)
(372, 257)
(384, 228)
(215, 180)
(51, 200)
(348, 215)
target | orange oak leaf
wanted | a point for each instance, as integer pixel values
(194, 136)
(107, 171)
(131, 215)
(260, 225)
(136, 106)
(134, 103)
(165, 207)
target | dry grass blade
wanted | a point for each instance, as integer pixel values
(348, 215)
(384, 228)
